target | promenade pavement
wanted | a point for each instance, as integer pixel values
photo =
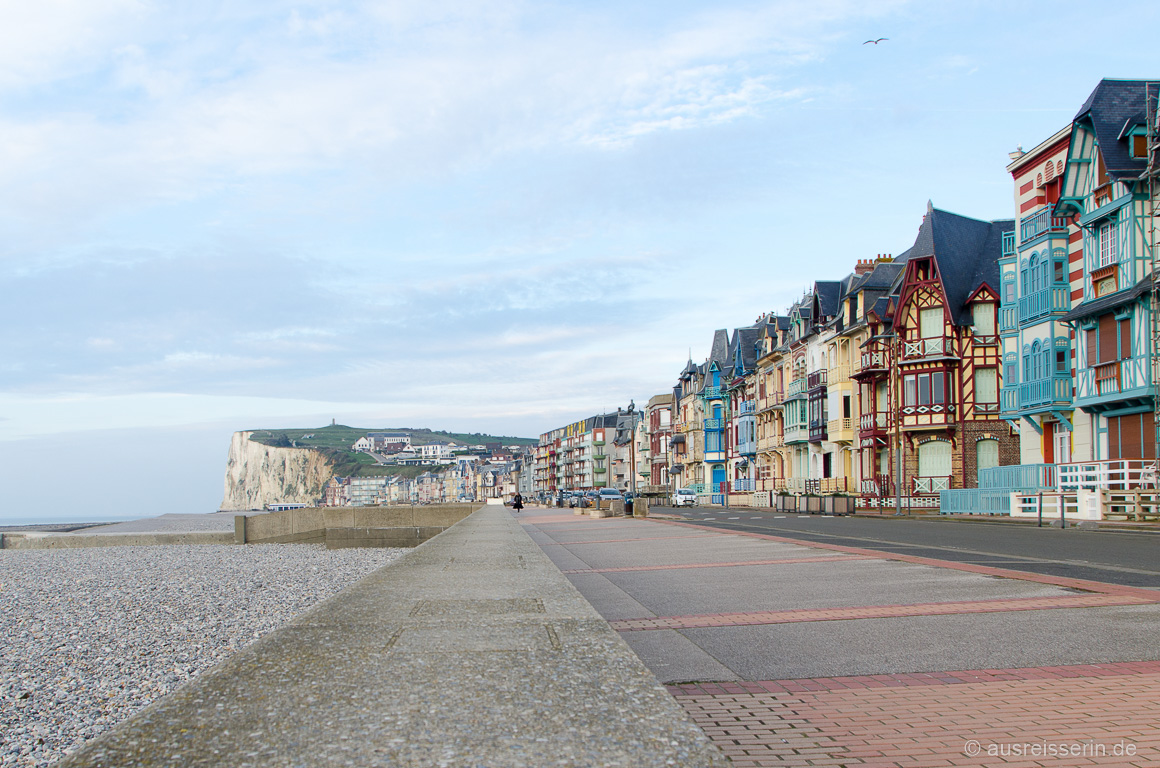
(794, 653)
(470, 650)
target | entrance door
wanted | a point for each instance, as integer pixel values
(718, 478)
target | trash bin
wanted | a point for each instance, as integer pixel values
(628, 506)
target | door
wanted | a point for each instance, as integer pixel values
(986, 456)
(718, 478)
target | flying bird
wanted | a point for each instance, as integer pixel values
(876, 42)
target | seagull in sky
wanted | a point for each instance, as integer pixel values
(876, 42)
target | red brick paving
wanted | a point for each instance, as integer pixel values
(876, 612)
(782, 561)
(928, 720)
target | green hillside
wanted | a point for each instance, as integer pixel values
(335, 441)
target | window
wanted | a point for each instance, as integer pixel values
(984, 318)
(986, 454)
(986, 385)
(930, 323)
(1107, 244)
(924, 389)
(934, 459)
(1139, 145)
(1010, 370)
(1008, 290)
(1125, 339)
(1061, 361)
(1060, 270)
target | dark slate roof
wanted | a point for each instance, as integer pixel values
(828, 294)
(1109, 108)
(783, 323)
(746, 340)
(967, 253)
(719, 352)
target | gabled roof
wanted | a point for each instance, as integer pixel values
(1111, 109)
(967, 253)
(745, 342)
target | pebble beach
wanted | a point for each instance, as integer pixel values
(90, 636)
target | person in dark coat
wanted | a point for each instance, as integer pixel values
(517, 502)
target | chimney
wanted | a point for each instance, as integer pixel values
(863, 266)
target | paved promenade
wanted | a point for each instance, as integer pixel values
(793, 653)
(470, 650)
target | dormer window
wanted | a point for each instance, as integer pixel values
(1138, 145)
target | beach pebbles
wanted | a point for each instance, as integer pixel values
(90, 636)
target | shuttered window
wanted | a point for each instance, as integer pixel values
(1108, 345)
(986, 385)
(1092, 346)
(934, 459)
(984, 317)
(1125, 339)
(930, 323)
(1132, 436)
(987, 454)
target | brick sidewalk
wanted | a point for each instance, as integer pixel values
(1010, 717)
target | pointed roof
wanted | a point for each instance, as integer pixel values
(1112, 109)
(827, 296)
(967, 253)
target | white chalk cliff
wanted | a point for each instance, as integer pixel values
(257, 475)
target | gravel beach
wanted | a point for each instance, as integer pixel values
(90, 636)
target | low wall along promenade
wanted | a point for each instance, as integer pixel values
(339, 527)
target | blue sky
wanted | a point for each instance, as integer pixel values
(495, 217)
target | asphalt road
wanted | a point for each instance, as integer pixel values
(1116, 557)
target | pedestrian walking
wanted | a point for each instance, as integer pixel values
(517, 502)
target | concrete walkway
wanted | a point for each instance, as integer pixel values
(789, 653)
(471, 650)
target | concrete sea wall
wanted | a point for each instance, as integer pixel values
(339, 527)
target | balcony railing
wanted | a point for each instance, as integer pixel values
(714, 423)
(937, 347)
(796, 433)
(1042, 303)
(874, 361)
(818, 431)
(838, 373)
(1056, 389)
(816, 379)
(1009, 398)
(746, 407)
(1008, 244)
(744, 485)
(876, 421)
(796, 387)
(1008, 319)
(711, 393)
(840, 429)
(931, 484)
(819, 485)
(1107, 378)
(1039, 222)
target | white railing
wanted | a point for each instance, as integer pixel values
(839, 425)
(1117, 474)
(926, 348)
(931, 484)
(1083, 505)
(795, 484)
(744, 484)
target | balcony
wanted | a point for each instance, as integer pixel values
(816, 379)
(937, 347)
(1053, 391)
(931, 484)
(746, 407)
(838, 374)
(875, 361)
(796, 388)
(711, 393)
(1107, 378)
(797, 433)
(1038, 223)
(841, 430)
(1042, 303)
(1008, 244)
(879, 421)
(817, 431)
(1008, 319)
(714, 424)
(744, 485)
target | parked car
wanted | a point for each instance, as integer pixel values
(684, 497)
(612, 494)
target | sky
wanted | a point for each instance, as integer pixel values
(496, 217)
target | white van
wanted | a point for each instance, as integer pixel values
(684, 497)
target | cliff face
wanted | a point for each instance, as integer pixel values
(258, 474)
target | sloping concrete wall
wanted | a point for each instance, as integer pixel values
(351, 526)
